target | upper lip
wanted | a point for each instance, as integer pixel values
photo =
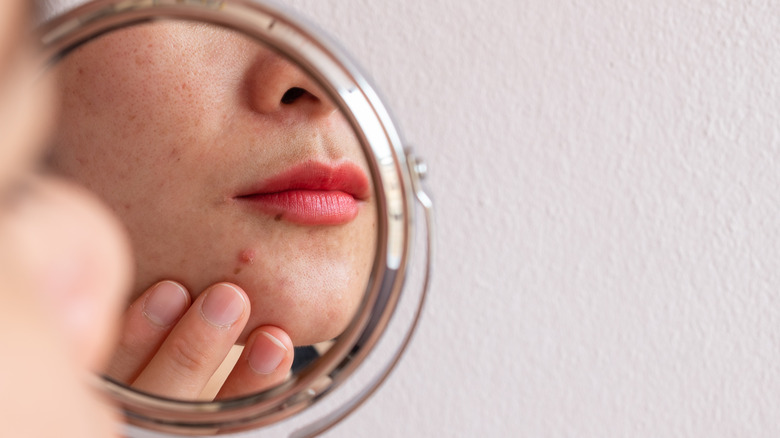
(345, 176)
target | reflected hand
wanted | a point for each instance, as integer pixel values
(172, 348)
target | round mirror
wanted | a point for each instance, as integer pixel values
(267, 195)
(237, 179)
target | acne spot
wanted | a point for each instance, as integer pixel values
(278, 217)
(247, 256)
(236, 271)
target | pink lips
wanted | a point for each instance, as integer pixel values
(311, 193)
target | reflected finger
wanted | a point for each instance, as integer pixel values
(197, 345)
(264, 363)
(147, 323)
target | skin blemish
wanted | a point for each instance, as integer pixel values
(236, 271)
(278, 217)
(247, 256)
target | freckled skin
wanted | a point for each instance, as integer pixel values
(166, 122)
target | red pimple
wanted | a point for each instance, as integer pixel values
(247, 256)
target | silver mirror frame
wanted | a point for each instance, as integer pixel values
(396, 176)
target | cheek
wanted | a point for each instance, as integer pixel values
(128, 130)
(105, 104)
(103, 110)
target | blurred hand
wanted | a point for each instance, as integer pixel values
(64, 269)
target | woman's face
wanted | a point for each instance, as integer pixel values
(225, 163)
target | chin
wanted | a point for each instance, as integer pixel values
(306, 323)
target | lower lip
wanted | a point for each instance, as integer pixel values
(308, 207)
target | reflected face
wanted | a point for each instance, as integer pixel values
(226, 163)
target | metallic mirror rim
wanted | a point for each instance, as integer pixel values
(396, 174)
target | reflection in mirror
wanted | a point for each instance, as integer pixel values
(247, 197)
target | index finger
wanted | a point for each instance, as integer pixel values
(147, 323)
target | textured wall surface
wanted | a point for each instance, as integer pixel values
(607, 182)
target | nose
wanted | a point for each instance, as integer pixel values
(276, 86)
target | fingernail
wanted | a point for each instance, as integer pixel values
(266, 354)
(223, 305)
(166, 303)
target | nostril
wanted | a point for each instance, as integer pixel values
(293, 94)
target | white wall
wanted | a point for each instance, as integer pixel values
(606, 177)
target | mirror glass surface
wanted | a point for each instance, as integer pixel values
(228, 166)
